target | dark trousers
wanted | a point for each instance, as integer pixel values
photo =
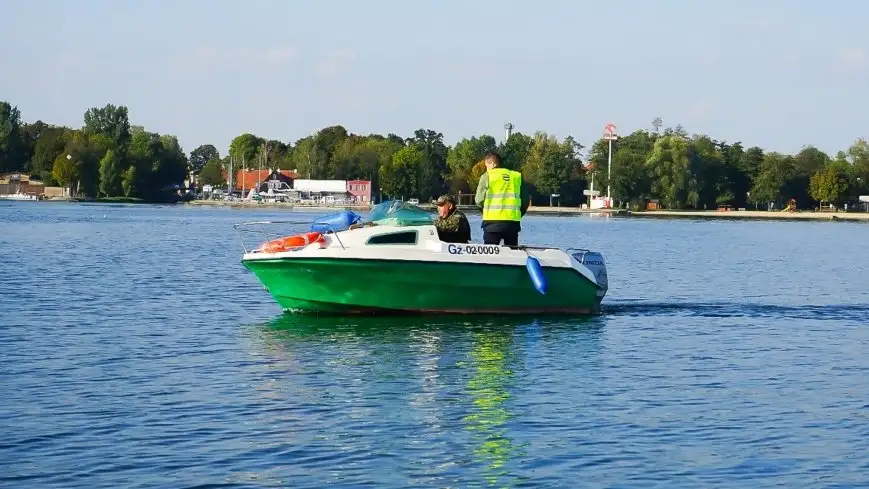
(511, 238)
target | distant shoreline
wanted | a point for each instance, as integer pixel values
(574, 211)
(758, 215)
(853, 216)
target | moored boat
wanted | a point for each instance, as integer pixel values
(398, 265)
(18, 195)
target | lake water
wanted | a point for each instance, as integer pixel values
(138, 352)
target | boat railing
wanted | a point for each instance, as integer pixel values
(285, 228)
(578, 251)
(532, 247)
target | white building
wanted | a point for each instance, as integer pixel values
(321, 191)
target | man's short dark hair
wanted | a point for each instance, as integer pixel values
(494, 156)
(443, 199)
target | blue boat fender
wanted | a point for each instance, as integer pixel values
(535, 271)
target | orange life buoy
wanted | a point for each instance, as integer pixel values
(289, 242)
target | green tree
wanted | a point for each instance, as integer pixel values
(399, 177)
(11, 154)
(65, 172)
(630, 180)
(709, 179)
(748, 165)
(48, 145)
(514, 151)
(360, 157)
(807, 163)
(543, 144)
(732, 186)
(462, 157)
(212, 174)
(329, 139)
(476, 173)
(548, 166)
(28, 135)
(128, 182)
(556, 167)
(309, 159)
(858, 155)
(431, 173)
(346, 159)
(110, 121)
(670, 168)
(279, 155)
(144, 154)
(86, 151)
(830, 183)
(244, 149)
(110, 175)
(170, 167)
(200, 156)
(771, 184)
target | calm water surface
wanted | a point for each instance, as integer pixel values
(135, 351)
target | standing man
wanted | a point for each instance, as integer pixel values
(504, 198)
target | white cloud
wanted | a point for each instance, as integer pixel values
(700, 110)
(212, 55)
(282, 54)
(756, 23)
(792, 59)
(352, 102)
(204, 53)
(852, 58)
(334, 63)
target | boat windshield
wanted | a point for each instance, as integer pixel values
(399, 213)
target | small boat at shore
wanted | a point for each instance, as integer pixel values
(395, 263)
(19, 195)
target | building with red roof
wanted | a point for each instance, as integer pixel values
(244, 180)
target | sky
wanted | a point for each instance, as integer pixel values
(779, 74)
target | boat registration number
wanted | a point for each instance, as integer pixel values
(473, 249)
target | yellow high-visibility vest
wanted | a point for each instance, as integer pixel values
(503, 200)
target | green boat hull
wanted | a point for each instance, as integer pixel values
(356, 286)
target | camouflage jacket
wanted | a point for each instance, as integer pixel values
(454, 228)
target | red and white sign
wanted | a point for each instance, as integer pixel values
(609, 132)
(601, 203)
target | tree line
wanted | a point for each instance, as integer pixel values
(679, 170)
(696, 171)
(108, 157)
(422, 166)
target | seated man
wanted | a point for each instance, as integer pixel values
(453, 226)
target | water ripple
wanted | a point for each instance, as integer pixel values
(138, 353)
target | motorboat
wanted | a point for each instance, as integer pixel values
(394, 262)
(18, 195)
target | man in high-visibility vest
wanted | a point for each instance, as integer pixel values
(504, 198)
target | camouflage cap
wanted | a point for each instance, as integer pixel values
(443, 199)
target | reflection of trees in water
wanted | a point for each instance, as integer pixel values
(490, 376)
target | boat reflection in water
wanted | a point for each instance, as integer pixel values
(441, 396)
(491, 377)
